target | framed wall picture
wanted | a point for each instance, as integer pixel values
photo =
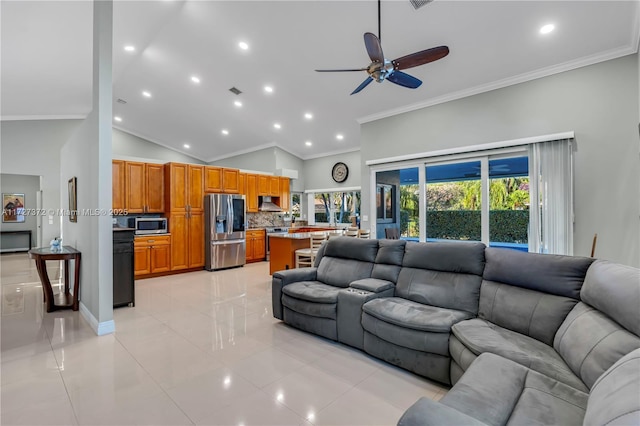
(73, 199)
(12, 208)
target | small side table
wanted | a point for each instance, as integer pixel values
(61, 300)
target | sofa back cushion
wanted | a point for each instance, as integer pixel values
(596, 334)
(388, 260)
(547, 273)
(530, 293)
(614, 290)
(447, 275)
(345, 260)
(614, 399)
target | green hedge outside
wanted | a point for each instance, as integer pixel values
(507, 226)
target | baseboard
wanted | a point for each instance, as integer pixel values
(100, 328)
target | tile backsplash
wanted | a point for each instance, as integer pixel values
(262, 219)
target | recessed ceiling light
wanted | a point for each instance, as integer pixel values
(339, 136)
(130, 48)
(118, 119)
(195, 79)
(546, 29)
(308, 115)
(268, 89)
(186, 145)
(243, 45)
(225, 132)
(238, 104)
(308, 143)
(277, 125)
(146, 94)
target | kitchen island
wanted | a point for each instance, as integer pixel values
(283, 250)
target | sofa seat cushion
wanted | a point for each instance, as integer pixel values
(312, 291)
(481, 336)
(411, 325)
(497, 391)
(416, 316)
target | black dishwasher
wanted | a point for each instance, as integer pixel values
(123, 284)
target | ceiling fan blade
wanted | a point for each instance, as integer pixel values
(362, 85)
(403, 79)
(343, 70)
(420, 58)
(374, 49)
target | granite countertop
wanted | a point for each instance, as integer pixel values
(118, 228)
(296, 236)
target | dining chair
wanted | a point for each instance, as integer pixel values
(391, 233)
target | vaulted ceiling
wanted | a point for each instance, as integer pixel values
(46, 63)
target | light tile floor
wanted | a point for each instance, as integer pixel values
(198, 348)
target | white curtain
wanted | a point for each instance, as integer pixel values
(551, 196)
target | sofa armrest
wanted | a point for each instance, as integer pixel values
(283, 278)
(349, 318)
(373, 285)
(426, 412)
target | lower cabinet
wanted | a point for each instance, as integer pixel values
(256, 245)
(152, 255)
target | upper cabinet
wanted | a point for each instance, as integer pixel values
(285, 193)
(118, 185)
(252, 193)
(219, 179)
(138, 187)
(274, 186)
(263, 185)
(185, 183)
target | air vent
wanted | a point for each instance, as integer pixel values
(235, 90)
(417, 4)
(121, 101)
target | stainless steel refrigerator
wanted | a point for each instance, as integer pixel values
(225, 220)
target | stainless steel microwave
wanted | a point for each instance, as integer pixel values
(149, 225)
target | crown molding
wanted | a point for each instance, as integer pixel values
(243, 151)
(331, 153)
(147, 138)
(42, 117)
(510, 81)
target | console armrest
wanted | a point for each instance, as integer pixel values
(373, 285)
(427, 412)
(286, 277)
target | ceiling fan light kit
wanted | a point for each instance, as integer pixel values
(381, 69)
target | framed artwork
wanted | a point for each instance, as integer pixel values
(384, 203)
(12, 207)
(73, 199)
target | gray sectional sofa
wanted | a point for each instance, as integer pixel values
(524, 338)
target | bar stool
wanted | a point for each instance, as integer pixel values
(364, 233)
(306, 256)
(349, 233)
(335, 234)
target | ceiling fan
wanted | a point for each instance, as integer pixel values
(382, 69)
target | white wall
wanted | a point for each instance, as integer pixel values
(598, 102)
(33, 147)
(127, 146)
(87, 156)
(286, 160)
(262, 160)
(317, 171)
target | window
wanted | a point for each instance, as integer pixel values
(296, 206)
(517, 196)
(335, 207)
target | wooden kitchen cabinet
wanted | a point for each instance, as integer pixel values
(118, 184)
(252, 193)
(285, 193)
(151, 254)
(185, 202)
(242, 184)
(138, 187)
(263, 185)
(256, 245)
(274, 186)
(221, 180)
